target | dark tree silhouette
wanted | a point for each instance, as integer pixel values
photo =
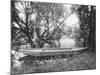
(88, 25)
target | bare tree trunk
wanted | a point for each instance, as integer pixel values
(30, 41)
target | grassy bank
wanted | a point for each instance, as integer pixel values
(82, 61)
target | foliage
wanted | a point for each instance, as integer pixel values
(38, 22)
(88, 25)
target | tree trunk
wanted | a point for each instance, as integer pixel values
(30, 41)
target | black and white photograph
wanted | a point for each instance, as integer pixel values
(52, 37)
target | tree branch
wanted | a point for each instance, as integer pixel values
(19, 29)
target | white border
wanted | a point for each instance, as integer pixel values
(86, 2)
(5, 37)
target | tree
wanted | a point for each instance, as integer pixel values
(37, 23)
(88, 25)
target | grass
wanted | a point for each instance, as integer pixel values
(82, 61)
